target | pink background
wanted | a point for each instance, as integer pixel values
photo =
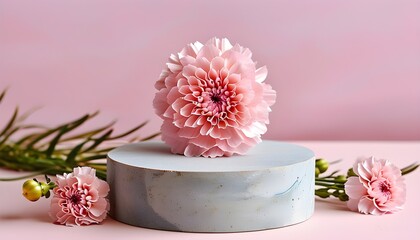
(342, 69)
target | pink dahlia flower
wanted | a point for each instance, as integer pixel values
(378, 189)
(212, 100)
(79, 198)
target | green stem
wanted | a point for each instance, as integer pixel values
(410, 168)
(327, 180)
(331, 186)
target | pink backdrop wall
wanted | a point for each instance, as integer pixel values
(342, 69)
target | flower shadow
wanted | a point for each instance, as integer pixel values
(36, 216)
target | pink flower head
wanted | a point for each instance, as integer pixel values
(79, 198)
(212, 100)
(378, 189)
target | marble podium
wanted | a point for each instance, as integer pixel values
(270, 187)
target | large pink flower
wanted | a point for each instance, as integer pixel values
(378, 189)
(212, 100)
(79, 198)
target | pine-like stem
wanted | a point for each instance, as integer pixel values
(48, 151)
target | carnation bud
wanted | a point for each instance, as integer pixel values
(341, 179)
(323, 192)
(32, 190)
(322, 165)
(343, 197)
(317, 172)
(350, 173)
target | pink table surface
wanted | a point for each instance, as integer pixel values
(25, 220)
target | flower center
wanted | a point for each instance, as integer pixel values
(385, 188)
(217, 102)
(75, 199)
(216, 98)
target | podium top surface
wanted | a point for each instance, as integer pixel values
(157, 155)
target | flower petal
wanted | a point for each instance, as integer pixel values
(354, 188)
(261, 74)
(99, 207)
(209, 52)
(217, 63)
(366, 205)
(353, 204)
(193, 150)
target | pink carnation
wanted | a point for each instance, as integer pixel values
(212, 100)
(378, 189)
(79, 198)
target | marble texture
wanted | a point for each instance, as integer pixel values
(272, 186)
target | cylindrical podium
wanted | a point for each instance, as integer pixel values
(270, 187)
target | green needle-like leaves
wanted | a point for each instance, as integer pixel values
(58, 150)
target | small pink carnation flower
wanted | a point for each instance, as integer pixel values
(378, 189)
(79, 198)
(213, 100)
